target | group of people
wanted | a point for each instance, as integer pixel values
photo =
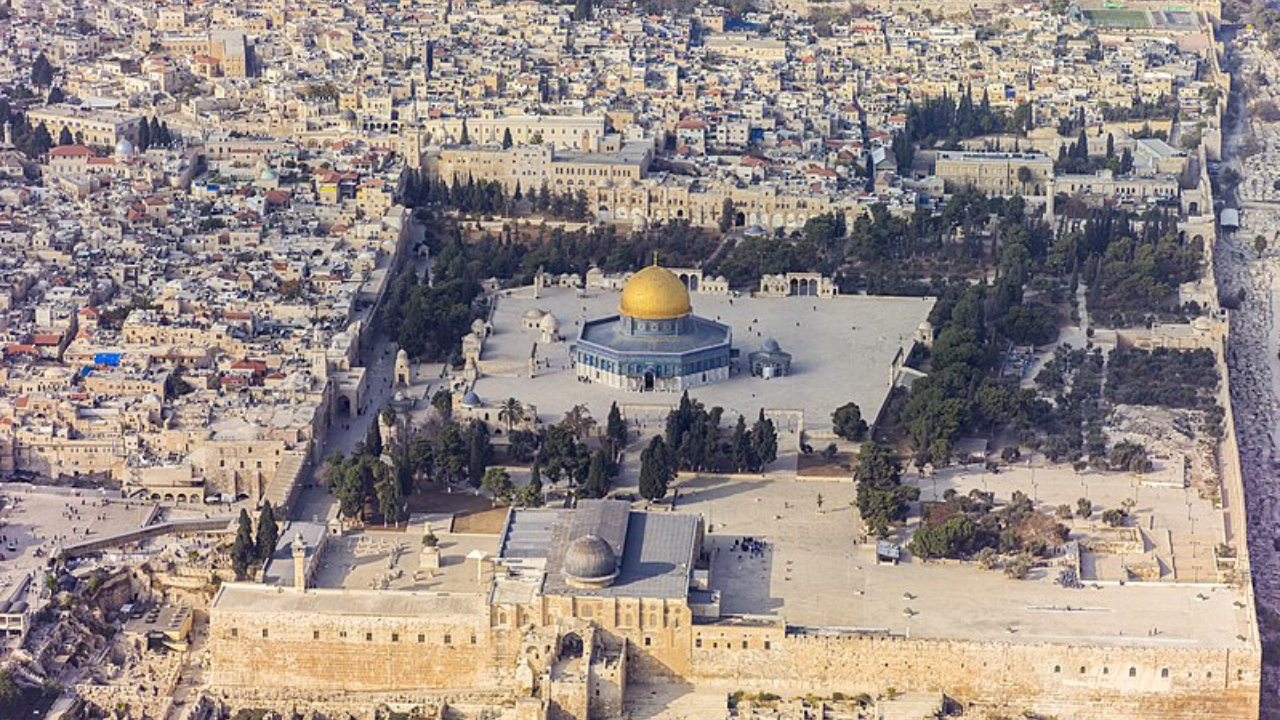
(749, 545)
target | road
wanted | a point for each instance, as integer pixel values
(315, 503)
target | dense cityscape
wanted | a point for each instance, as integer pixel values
(664, 360)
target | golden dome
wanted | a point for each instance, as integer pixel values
(655, 293)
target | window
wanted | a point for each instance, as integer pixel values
(696, 643)
(766, 644)
(448, 639)
(648, 642)
(1081, 669)
(368, 637)
(1106, 671)
(1133, 672)
(1164, 672)
(315, 634)
(744, 644)
(342, 634)
(264, 632)
(1057, 668)
(395, 637)
(473, 638)
(235, 632)
(422, 638)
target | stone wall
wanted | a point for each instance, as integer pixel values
(355, 653)
(1072, 681)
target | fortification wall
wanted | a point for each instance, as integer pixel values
(356, 653)
(1085, 682)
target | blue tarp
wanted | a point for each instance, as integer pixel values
(108, 359)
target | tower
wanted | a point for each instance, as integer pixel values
(404, 374)
(8, 135)
(299, 563)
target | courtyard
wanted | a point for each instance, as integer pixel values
(816, 569)
(843, 349)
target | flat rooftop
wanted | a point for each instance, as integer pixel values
(842, 349)
(391, 560)
(251, 597)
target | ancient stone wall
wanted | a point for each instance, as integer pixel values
(1073, 681)
(356, 653)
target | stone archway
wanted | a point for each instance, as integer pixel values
(571, 646)
(739, 219)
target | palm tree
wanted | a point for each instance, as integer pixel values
(1024, 177)
(511, 412)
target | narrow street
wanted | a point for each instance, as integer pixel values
(314, 502)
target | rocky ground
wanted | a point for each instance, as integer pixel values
(1252, 356)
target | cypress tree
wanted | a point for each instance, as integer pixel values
(268, 532)
(242, 550)
(656, 471)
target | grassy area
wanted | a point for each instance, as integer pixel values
(814, 465)
(1132, 19)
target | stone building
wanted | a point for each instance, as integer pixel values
(579, 603)
(655, 342)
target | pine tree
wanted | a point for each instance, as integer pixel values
(42, 71)
(740, 446)
(162, 129)
(144, 136)
(466, 136)
(582, 10)
(64, 136)
(764, 441)
(56, 96)
(242, 550)
(615, 429)
(597, 483)
(478, 452)
(268, 532)
(40, 141)
(656, 470)
(506, 139)
(390, 498)
(1111, 146)
(373, 439)
(535, 478)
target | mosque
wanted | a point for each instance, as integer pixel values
(655, 342)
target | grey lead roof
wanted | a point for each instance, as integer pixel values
(657, 549)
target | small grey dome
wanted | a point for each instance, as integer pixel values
(124, 147)
(471, 399)
(771, 345)
(589, 561)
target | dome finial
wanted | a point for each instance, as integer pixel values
(655, 258)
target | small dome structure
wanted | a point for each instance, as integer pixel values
(589, 562)
(348, 115)
(124, 147)
(268, 174)
(549, 323)
(655, 293)
(533, 314)
(471, 399)
(770, 345)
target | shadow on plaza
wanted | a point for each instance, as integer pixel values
(743, 577)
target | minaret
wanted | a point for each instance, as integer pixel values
(8, 135)
(299, 563)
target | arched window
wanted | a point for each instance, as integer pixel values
(1133, 672)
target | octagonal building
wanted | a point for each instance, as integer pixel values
(655, 342)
